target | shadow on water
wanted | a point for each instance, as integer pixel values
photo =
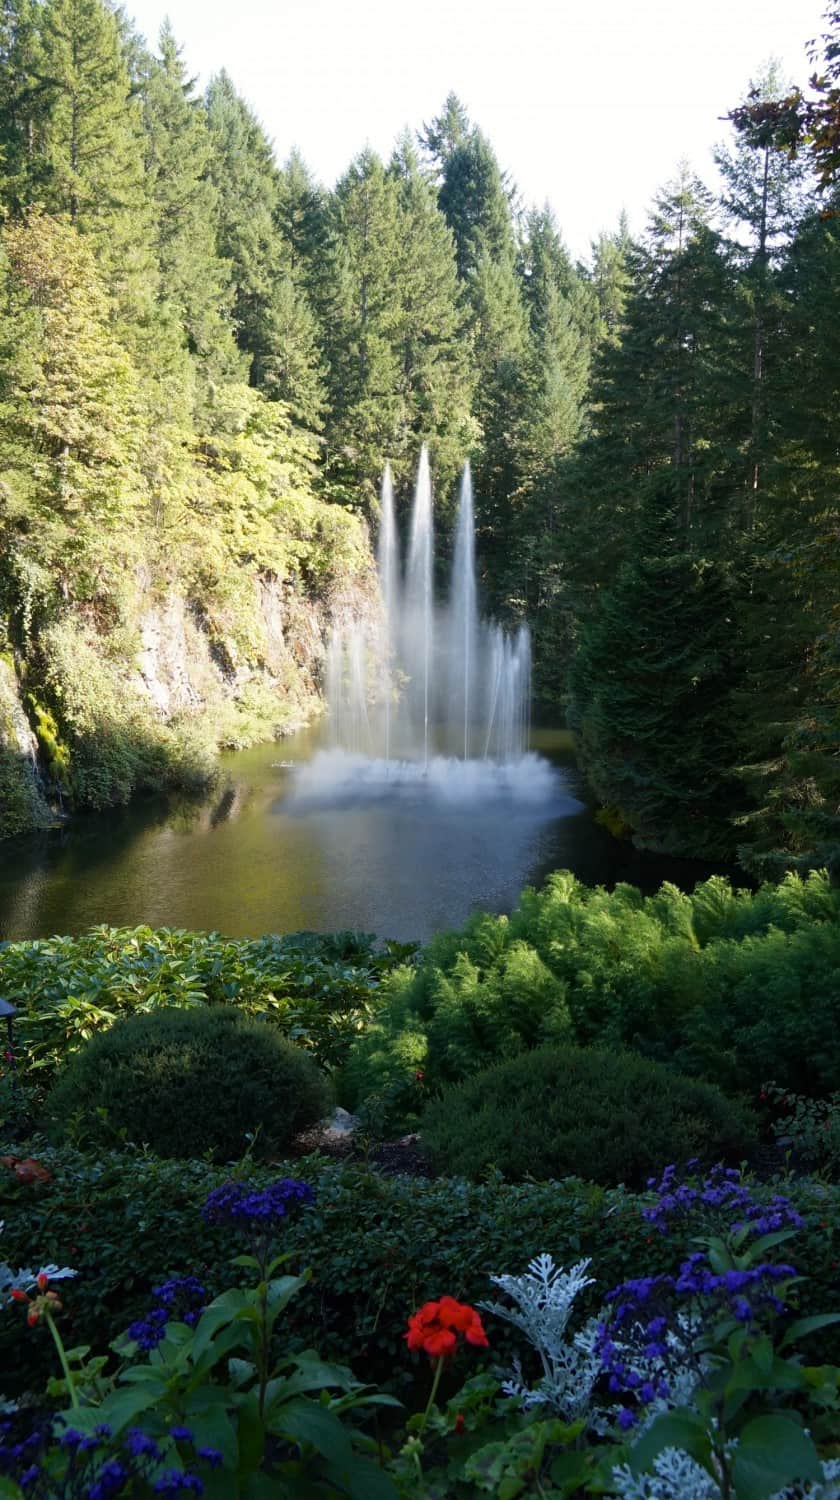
(274, 848)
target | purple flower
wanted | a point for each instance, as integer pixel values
(183, 1298)
(626, 1418)
(181, 1434)
(178, 1482)
(211, 1456)
(140, 1445)
(109, 1481)
(244, 1207)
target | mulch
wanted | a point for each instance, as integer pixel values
(402, 1158)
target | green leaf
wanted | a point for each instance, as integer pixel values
(803, 1326)
(304, 1421)
(362, 1480)
(232, 1304)
(674, 1429)
(251, 1434)
(772, 1452)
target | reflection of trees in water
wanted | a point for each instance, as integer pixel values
(228, 806)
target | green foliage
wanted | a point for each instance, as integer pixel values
(652, 723)
(377, 1246)
(319, 991)
(808, 1130)
(730, 985)
(188, 1081)
(607, 1116)
(21, 806)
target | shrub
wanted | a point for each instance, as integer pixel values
(188, 1083)
(378, 1246)
(609, 1117)
(319, 989)
(731, 985)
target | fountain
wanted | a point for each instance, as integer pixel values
(430, 692)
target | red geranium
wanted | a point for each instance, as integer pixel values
(435, 1327)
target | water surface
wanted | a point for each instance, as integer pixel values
(262, 854)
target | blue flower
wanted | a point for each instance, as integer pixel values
(242, 1206)
(181, 1434)
(626, 1418)
(109, 1481)
(140, 1445)
(178, 1482)
(211, 1456)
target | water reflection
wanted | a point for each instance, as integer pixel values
(251, 858)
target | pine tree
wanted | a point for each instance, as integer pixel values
(89, 145)
(762, 201)
(650, 689)
(366, 405)
(274, 325)
(661, 399)
(302, 216)
(432, 341)
(70, 413)
(193, 278)
(610, 279)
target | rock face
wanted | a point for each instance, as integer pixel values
(15, 730)
(184, 668)
(170, 676)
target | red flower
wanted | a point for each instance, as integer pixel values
(419, 1076)
(43, 1281)
(18, 1294)
(434, 1329)
(459, 1423)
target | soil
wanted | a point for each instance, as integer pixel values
(401, 1158)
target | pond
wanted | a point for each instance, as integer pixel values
(261, 854)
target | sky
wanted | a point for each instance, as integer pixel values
(589, 107)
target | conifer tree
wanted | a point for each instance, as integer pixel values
(274, 325)
(193, 278)
(650, 688)
(89, 144)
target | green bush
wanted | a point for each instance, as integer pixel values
(319, 989)
(731, 985)
(378, 1247)
(188, 1083)
(608, 1117)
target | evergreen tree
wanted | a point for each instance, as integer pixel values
(650, 689)
(70, 410)
(274, 325)
(89, 147)
(193, 278)
(476, 201)
(762, 201)
(661, 399)
(367, 408)
(23, 102)
(432, 342)
(610, 279)
(302, 217)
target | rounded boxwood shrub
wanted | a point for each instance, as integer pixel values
(610, 1117)
(188, 1082)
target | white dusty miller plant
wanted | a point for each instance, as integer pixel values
(677, 1476)
(544, 1299)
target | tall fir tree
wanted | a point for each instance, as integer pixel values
(650, 688)
(194, 280)
(274, 324)
(88, 153)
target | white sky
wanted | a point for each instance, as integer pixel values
(587, 105)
